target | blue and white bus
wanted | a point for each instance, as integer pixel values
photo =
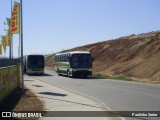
(34, 64)
(74, 63)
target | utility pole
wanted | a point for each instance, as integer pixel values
(11, 37)
(21, 27)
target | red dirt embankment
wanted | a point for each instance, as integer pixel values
(135, 56)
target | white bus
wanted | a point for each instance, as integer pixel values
(74, 63)
(34, 64)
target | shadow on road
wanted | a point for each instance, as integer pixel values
(42, 75)
(29, 80)
(88, 78)
(53, 94)
(38, 85)
(81, 77)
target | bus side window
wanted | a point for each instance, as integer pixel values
(63, 58)
(68, 58)
(58, 58)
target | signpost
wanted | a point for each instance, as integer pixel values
(21, 32)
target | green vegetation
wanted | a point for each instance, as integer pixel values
(102, 76)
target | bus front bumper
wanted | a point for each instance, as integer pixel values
(81, 72)
(32, 71)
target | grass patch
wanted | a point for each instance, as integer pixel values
(102, 76)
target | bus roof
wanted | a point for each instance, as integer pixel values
(74, 52)
(35, 54)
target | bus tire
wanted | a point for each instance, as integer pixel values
(68, 73)
(58, 72)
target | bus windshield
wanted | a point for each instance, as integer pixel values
(81, 61)
(36, 61)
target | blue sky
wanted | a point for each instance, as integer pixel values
(53, 25)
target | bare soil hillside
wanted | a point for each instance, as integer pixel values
(135, 56)
(49, 62)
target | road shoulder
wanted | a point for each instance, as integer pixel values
(58, 99)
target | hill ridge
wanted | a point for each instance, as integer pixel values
(135, 56)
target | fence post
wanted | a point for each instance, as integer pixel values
(18, 75)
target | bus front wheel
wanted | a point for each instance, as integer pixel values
(68, 73)
(58, 72)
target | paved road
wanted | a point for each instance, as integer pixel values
(118, 95)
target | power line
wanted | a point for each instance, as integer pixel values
(4, 11)
(3, 14)
(2, 19)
